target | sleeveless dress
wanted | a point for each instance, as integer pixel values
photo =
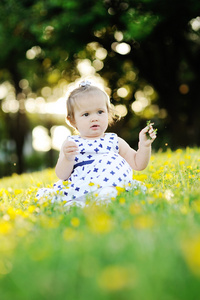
(98, 167)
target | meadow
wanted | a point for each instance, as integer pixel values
(138, 247)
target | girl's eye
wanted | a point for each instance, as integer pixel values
(85, 114)
(100, 112)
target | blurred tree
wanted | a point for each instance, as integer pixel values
(150, 46)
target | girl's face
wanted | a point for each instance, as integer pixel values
(91, 116)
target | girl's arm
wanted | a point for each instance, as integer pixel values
(65, 161)
(138, 160)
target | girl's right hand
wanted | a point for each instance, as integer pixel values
(70, 150)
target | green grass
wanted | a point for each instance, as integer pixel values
(141, 246)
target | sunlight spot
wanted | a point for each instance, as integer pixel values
(10, 106)
(30, 54)
(148, 90)
(40, 105)
(123, 48)
(58, 107)
(195, 23)
(41, 139)
(30, 105)
(137, 106)
(59, 135)
(3, 91)
(98, 64)
(85, 68)
(118, 36)
(33, 52)
(48, 32)
(101, 53)
(140, 96)
(122, 92)
(46, 91)
(111, 11)
(184, 89)
(130, 75)
(23, 84)
(121, 109)
(54, 76)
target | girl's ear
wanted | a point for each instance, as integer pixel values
(71, 122)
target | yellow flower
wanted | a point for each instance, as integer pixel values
(120, 189)
(5, 227)
(122, 201)
(149, 185)
(143, 222)
(140, 177)
(18, 191)
(168, 176)
(184, 209)
(31, 208)
(11, 212)
(116, 278)
(196, 206)
(189, 167)
(69, 234)
(156, 175)
(75, 222)
(191, 176)
(99, 221)
(48, 222)
(159, 195)
(187, 156)
(191, 250)
(65, 182)
(179, 151)
(135, 209)
(136, 192)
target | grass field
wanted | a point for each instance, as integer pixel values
(139, 247)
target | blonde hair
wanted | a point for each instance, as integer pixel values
(85, 91)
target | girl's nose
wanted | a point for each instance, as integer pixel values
(94, 118)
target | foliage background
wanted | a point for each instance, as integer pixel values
(145, 52)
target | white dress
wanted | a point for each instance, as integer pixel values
(97, 166)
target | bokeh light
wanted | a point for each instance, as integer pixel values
(195, 23)
(59, 135)
(121, 109)
(122, 92)
(41, 139)
(121, 48)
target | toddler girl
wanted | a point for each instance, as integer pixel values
(94, 163)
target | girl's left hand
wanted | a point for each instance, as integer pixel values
(147, 139)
